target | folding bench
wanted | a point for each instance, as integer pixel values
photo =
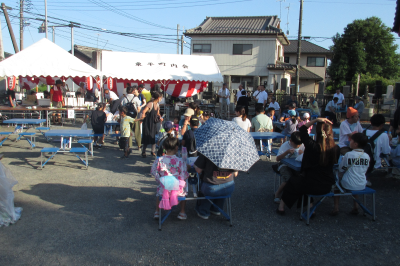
(53, 152)
(87, 141)
(42, 131)
(307, 214)
(29, 136)
(227, 215)
(81, 150)
(6, 135)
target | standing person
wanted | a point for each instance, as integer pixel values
(330, 110)
(56, 95)
(274, 104)
(216, 183)
(313, 105)
(243, 101)
(137, 124)
(141, 96)
(359, 106)
(64, 88)
(347, 128)
(262, 97)
(223, 94)
(11, 98)
(98, 119)
(131, 102)
(340, 97)
(241, 118)
(125, 122)
(317, 165)
(239, 93)
(261, 122)
(188, 139)
(124, 91)
(150, 114)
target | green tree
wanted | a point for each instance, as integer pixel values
(366, 46)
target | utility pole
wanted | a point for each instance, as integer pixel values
(21, 25)
(182, 41)
(4, 8)
(54, 34)
(45, 17)
(1, 44)
(297, 88)
(72, 38)
(177, 39)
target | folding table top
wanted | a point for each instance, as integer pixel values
(24, 121)
(68, 133)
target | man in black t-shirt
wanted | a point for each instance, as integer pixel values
(215, 183)
(11, 98)
(141, 96)
(188, 139)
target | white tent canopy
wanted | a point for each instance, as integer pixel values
(45, 58)
(146, 66)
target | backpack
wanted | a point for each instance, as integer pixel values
(370, 148)
(132, 112)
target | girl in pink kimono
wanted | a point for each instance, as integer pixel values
(168, 165)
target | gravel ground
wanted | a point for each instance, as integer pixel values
(103, 216)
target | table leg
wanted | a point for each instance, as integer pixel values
(62, 142)
(70, 142)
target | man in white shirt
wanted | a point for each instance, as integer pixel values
(330, 110)
(113, 99)
(274, 104)
(359, 106)
(223, 94)
(262, 97)
(239, 92)
(382, 145)
(347, 128)
(340, 97)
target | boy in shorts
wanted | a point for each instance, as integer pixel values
(352, 169)
(125, 122)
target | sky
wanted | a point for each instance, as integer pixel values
(153, 23)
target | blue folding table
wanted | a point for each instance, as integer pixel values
(265, 136)
(20, 122)
(292, 163)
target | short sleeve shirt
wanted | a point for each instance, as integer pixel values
(57, 94)
(274, 105)
(346, 129)
(111, 95)
(211, 173)
(263, 96)
(243, 124)
(340, 96)
(330, 104)
(261, 121)
(355, 164)
(125, 126)
(382, 146)
(98, 119)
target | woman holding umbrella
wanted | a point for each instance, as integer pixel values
(319, 157)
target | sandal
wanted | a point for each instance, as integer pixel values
(144, 155)
(156, 215)
(182, 216)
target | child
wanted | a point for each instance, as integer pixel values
(289, 149)
(352, 169)
(176, 126)
(271, 114)
(290, 124)
(169, 128)
(206, 115)
(166, 165)
(125, 127)
(189, 140)
(306, 119)
(98, 119)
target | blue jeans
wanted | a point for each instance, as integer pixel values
(204, 206)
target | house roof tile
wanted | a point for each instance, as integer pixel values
(307, 74)
(237, 25)
(306, 48)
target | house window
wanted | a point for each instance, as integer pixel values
(242, 49)
(286, 59)
(201, 48)
(315, 61)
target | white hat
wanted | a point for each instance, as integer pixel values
(306, 115)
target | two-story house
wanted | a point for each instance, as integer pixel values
(313, 64)
(244, 48)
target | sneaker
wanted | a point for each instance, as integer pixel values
(182, 216)
(201, 216)
(215, 213)
(369, 184)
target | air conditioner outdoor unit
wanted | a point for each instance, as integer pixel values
(281, 58)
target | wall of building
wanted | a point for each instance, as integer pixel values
(320, 71)
(308, 86)
(263, 53)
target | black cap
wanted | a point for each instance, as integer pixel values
(141, 86)
(58, 81)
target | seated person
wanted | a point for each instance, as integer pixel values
(382, 145)
(395, 155)
(46, 94)
(261, 122)
(347, 128)
(169, 128)
(352, 169)
(290, 124)
(285, 114)
(289, 149)
(271, 114)
(306, 119)
(330, 110)
(274, 104)
(188, 140)
(313, 105)
(216, 182)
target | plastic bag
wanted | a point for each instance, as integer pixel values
(84, 126)
(8, 214)
(170, 182)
